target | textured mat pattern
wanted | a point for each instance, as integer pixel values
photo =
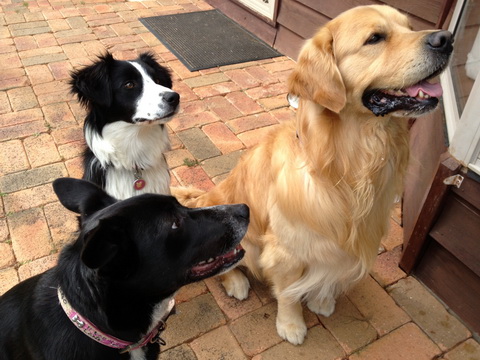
(206, 39)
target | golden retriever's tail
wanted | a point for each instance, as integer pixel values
(187, 196)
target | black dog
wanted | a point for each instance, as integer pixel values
(128, 104)
(117, 280)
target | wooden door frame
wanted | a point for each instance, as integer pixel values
(414, 247)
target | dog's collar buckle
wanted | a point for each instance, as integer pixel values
(156, 338)
(152, 338)
(154, 335)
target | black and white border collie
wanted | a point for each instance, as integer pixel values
(128, 104)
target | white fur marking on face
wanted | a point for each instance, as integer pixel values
(150, 104)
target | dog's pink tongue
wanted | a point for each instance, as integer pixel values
(434, 90)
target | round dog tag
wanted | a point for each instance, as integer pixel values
(139, 184)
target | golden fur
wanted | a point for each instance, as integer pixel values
(320, 189)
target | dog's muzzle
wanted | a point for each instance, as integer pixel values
(418, 98)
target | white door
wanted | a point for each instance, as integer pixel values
(461, 83)
(265, 8)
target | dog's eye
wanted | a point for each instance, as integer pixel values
(129, 85)
(175, 225)
(177, 222)
(375, 39)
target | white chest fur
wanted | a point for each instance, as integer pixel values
(124, 149)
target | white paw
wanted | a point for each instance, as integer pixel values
(325, 307)
(293, 332)
(237, 285)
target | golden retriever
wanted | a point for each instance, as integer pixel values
(320, 189)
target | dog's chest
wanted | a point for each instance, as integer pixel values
(125, 145)
(123, 184)
(138, 354)
(159, 312)
(130, 153)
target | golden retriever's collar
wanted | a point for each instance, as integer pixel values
(96, 334)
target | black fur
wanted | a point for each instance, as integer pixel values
(93, 170)
(127, 258)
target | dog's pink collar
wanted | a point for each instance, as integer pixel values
(94, 333)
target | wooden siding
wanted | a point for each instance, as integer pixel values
(453, 282)
(300, 19)
(458, 230)
(451, 263)
(427, 10)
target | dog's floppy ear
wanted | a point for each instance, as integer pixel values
(161, 73)
(80, 196)
(316, 76)
(92, 83)
(104, 241)
(103, 238)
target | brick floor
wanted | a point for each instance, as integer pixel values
(218, 344)
(349, 327)
(224, 111)
(377, 306)
(428, 313)
(406, 342)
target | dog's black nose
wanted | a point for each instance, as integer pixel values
(242, 210)
(440, 41)
(171, 97)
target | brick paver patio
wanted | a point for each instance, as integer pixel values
(223, 111)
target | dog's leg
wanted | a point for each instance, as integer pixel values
(236, 284)
(324, 307)
(281, 270)
(290, 323)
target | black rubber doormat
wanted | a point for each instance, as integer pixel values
(206, 39)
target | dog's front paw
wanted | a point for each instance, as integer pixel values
(236, 284)
(293, 332)
(324, 307)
